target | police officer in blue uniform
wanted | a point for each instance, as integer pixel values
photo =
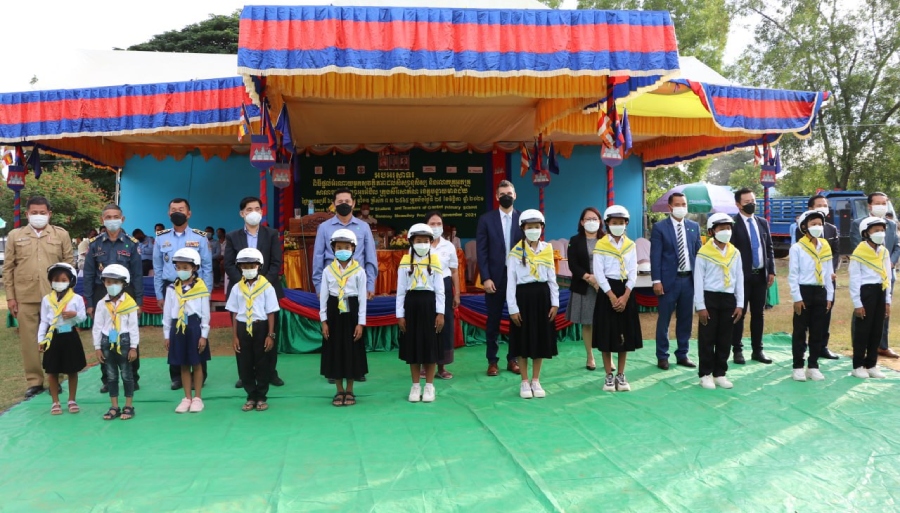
(114, 246)
(167, 243)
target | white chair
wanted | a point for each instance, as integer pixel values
(642, 246)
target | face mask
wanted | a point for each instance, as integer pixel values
(617, 229)
(253, 218)
(679, 212)
(879, 210)
(184, 275)
(250, 274)
(364, 212)
(749, 208)
(877, 237)
(112, 225)
(421, 249)
(38, 221)
(824, 210)
(178, 218)
(816, 231)
(533, 234)
(114, 290)
(506, 200)
(724, 236)
(437, 231)
(591, 226)
(60, 286)
(343, 255)
(344, 209)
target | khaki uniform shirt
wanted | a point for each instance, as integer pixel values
(28, 256)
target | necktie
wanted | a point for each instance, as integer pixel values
(754, 243)
(505, 218)
(682, 259)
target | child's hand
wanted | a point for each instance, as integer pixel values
(68, 314)
(860, 312)
(828, 305)
(516, 319)
(357, 332)
(166, 344)
(552, 314)
(738, 313)
(401, 323)
(799, 306)
(236, 345)
(325, 330)
(439, 322)
(100, 357)
(703, 316)
(132, 355)
(269, 344)
(887, 311)
(201, 345)
(42, 348)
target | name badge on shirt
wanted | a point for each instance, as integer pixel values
(64, 328)
(113, 336)
(192, 244)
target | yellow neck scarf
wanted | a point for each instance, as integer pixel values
(58, 308)
(197, 290)
(249, 297)
(534, 260)
(865, 255)
(126, 306)
(710, 252)
(822, 254)
(420, 269)
(342, 275)
(605, 247)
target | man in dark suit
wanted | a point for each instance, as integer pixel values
(820, 203)
(753, 239)
(498, 230)
(266, 240)
(674, 243)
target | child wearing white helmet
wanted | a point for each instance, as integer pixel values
(342, 310)
(116, 338)
(420, 310)
(617, 328)
(57, 337)
(718, 299)
(809, 277)
(870, 291)
(253, 305)
(186, 317)
(532, 296)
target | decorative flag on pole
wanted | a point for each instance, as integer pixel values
(244, 127)
(552, 164)
(267, 128)
(626, 131)
(283, 127)
(526, 161)
(34, 160)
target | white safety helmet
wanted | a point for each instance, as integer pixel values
(616, 211)
(806, 216)
(644, 268)
(343, 235)
(869, 222)
(73, 275)
(248, 256)
(188, 255)
(420, 229)
(116, 272)
(531, 216)
(717, 219)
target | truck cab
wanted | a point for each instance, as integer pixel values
(845, 207)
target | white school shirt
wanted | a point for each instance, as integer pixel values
(709, 277)
(802, 271)
(446, 252)
(263, 304)
(76, 304)
(197, 306)
(519, 274)
(433, 282)
(355, 285)
(606, 267)
(103, 323)
(863, 275)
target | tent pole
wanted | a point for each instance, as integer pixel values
(118, 184)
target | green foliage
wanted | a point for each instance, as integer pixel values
(553, 4)
(76, 202)
(747, 176)
(723, 166)
(217, 34)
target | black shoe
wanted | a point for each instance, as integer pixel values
(686, 362)
(136, 386)
(33, 391)
(739, 357)
(278, 382)
(176, 385)
(760, 357)
(663, 364)
(330, 381)
(361, 378)
(104, 389)
(238, 384)
(826, 353)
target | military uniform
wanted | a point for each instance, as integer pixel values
(28, 256)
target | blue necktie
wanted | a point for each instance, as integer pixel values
(754, 243)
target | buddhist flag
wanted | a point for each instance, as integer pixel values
(244, 127)
(526, 161)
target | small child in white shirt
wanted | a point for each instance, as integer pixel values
(61, 310)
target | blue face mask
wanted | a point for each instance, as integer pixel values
(343, 254)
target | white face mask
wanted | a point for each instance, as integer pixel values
(253, 218)
(879, 210)
(114, 290)
(679, 212)
(421, 249)
(724, 236)
(38, 221)
(591, 226)
(823, 210)
(60, 286)
(617, 229)
(437, 231)
(250, 274)
(877, 237)
(184, 275)
(816, 231)
(112, 225)
(533, 234)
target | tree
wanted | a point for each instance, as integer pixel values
(660, 180)
(747, 176)
(76, 202)
(553, 4)
(217, 34)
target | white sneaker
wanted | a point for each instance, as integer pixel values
(610, 384)
(537, 390)
(183, 406)
(196, 405)
(799, 375)
(707, 382)
(860, 372)
(723, 382)
(415, 393)
(815, 374)
(875, 372)
(622, 383)
(428, 394)
(525, 390)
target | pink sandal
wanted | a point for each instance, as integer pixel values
(56, 409)
(73, 407)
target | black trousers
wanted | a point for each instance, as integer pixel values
(494, 304)
(175, 370)
(714, 339)
(755, 288)
(813, 319)
(828, 318)
(100, 293)
(272, 356)
(866, 332)
(253, 360)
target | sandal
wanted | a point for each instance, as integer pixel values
(73, 407)
(55, 409)
(338, 399)
(112, 413)
(349, 399)
(262, 406)
(248, 406)
(127, 413)
(444, 374)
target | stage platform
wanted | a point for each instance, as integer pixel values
(770, 444)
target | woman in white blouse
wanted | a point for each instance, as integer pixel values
(446, 253)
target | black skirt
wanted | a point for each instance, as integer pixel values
(616, 332)
(448, 334)
(183, 347)
(420, 343)
(65, 355)
(536, 337)
(343, 357)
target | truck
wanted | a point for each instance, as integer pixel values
(845, 207)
